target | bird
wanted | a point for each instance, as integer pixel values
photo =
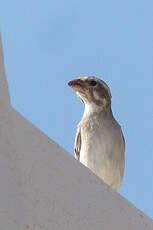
(99, 142)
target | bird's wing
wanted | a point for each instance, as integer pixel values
(123, 156)
(77, 147)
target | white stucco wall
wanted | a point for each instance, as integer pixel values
(42, 187)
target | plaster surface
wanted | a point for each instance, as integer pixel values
(42, 187)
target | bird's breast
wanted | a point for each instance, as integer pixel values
(102, 148)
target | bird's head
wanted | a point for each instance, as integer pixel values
(92, 90)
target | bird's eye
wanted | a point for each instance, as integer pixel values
(93, 83)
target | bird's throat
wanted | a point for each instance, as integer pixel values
(91, 108)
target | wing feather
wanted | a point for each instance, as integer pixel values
(77, 147)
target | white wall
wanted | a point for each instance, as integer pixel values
(42, 187)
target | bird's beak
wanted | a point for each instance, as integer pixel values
(76, 84)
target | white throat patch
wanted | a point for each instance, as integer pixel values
(91, 108)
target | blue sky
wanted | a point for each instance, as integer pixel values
(47, 43)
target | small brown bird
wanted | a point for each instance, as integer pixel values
(99, 143)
